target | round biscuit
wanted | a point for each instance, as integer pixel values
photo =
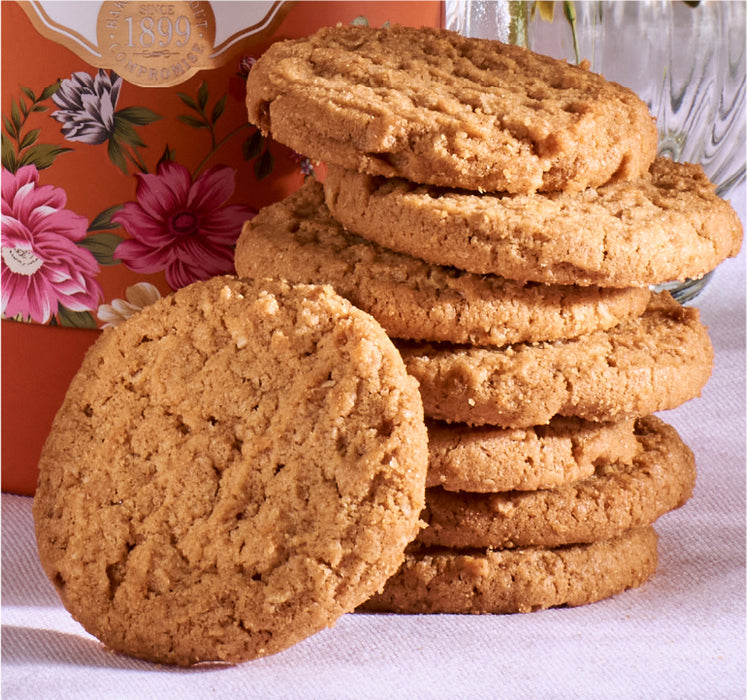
(619, 496)
(436, 107)
(651, 363)
(486, 459)
(667, 225)
(440, 580)
(298, 239)
(231, 470)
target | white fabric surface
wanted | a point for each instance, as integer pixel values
(682, 635)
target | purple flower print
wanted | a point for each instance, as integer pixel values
(87, 114)
(245, 65)
(87, 106)
(42, 267)
(182, 226)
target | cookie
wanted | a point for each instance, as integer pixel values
(231, 470)
(619, 496)
(487, 459)
(435, 107)
(667, 225)
(297, 239)
(440, 580)
(651, 363)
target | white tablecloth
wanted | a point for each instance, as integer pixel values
(682, 635)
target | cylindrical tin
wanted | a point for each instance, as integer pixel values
(128, 169)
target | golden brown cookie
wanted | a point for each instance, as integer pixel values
(617, 497)
(435, 107)
(487, 459)
(440, 580)
(651, 363)
(297, 239)
(231, 470)
(667, 225)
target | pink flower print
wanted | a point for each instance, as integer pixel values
(87, 106)
(42, 267)
(181, 226)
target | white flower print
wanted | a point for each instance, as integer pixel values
(138, 296)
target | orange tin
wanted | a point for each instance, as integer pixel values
(128, 170)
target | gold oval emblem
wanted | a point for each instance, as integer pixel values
(156, 43)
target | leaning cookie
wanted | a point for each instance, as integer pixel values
(231, 470)
(298, 239)
(651, 363)
(435, 107)
(667, 225)
(619, 496)
(486, 459)
(440, 580)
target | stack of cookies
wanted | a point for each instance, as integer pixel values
(469, 430)
(503, 216)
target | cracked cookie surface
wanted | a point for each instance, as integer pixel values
(441, 580)
(435, 107)
(487, 459)
(297, 239)
(619, 496)
(651, 363)
(667, 225)
(231, 470)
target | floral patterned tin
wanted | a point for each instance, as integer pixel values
(128, 169)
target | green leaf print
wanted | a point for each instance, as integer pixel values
(102, 246)
(75, 319)
(103, 221)
(21, 148)
(42, 155)
(140, 116)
